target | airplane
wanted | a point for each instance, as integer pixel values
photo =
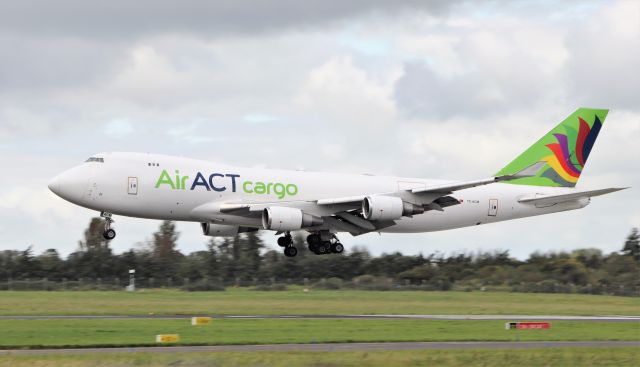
(228, 200)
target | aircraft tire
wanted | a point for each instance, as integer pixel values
(284, 241)
(337, 248)
(324, 248)
(109, 234)
(313, 239)
(290, 251)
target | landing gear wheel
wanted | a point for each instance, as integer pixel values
(324, 248)
(109, 234)
(284, 241)
(313, 239)
(337, 248)
(290, 251)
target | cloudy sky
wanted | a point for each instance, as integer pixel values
(438, 89)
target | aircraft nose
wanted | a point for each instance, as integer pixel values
(54, 185)
(69, 185)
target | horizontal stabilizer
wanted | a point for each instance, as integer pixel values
(554, 199)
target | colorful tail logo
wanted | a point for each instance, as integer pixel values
(563, 169)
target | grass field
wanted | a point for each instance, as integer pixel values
(119, 332)
(129, 332)
(248, 302)
(585, 357)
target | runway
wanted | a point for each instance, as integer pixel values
(333, 347)
(618, 318)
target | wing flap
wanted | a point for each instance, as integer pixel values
(358, 221)
(343, 200)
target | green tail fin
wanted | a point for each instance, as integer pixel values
(565, 150)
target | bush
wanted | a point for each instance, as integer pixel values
(271, 287)
(331, 283)
(202, 285)
(372, 283)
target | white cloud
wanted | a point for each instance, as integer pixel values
(338, 83)
(119, 128)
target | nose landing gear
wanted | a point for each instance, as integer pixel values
(109, 233)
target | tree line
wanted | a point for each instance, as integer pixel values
(244, 260)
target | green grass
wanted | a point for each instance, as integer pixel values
(121, 332)
(585, 357)
(243, 301)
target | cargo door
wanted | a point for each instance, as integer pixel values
(132, 189)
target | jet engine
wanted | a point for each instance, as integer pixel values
(223, 230)
(280, 218)
(380, 207)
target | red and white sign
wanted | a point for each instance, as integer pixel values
(527, 325)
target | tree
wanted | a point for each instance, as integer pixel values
(8, 264)
(234, 267)
(51, 264)
(93, 238)
(591, 257)
(632, 245)
(225, 258)
(212, 266)
(94, 258)
(26, 264)
(165, 256)
(251, 253)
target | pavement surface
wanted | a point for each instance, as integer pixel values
(333, 347)
(315, 317)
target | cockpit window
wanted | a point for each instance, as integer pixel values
(95, 159)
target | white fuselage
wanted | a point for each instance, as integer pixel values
(133, 184)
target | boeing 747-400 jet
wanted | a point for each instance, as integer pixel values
(228, 200)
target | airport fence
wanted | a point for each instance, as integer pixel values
(363, 282)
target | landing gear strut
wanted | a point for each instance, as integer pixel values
(287, 242)
(324, 243)
(109, 233)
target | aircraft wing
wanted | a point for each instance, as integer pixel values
(445, 189)
(338, 218)
(556, 199)
(449, 188)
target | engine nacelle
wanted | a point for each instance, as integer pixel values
(223, 230)
(279, 218)
(380, 207)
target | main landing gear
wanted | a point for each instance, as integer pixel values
(324, 243)
(109, 233)
(320, 243)
(287, 242)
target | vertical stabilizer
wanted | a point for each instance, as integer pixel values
(564, 150)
